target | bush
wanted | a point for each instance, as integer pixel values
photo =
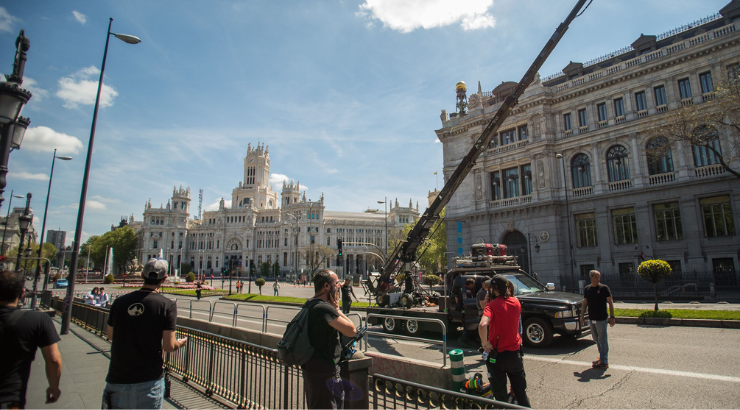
(57, 276)
(177, 282)
(108, 278)
(430, 280)
(260, 283)
(190, 277)
(654, 270)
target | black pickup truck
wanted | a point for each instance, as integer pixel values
(544, 312)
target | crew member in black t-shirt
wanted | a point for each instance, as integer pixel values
(595, 298)
(324, 389)
(21, 333)
(141, 324)
(347, 294)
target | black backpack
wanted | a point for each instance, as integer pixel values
(295, 347)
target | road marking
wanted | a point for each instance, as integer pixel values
(678, 373)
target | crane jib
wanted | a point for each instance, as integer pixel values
(406, 250)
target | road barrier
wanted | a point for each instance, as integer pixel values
(210, 307)
(267, 314)
(250, 306)
(443, 342)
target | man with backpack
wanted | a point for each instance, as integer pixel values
(324, 388)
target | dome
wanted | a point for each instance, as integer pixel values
(460, 86)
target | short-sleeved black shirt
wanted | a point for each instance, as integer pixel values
(18, 344)
(324, 338)
(138, 320)
(596, 297)
(346, 292)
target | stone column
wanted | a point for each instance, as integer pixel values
(355, 374)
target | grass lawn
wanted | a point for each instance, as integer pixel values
(251, 297)
(680, 314)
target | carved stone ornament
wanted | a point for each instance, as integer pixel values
(544, 236)
(541, 173)
(478, 186)
(511, 226)
(473, 101)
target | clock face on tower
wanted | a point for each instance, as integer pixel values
(251, 159)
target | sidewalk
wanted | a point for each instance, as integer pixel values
(84, 368)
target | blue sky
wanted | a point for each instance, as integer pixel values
(346, 94)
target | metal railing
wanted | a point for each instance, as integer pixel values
(443, 342)
(391, 393)
(210, 308)
(267, 315)
(261, 317)
(244, 373)
(220, 302)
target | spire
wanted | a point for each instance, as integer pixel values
(479, 89)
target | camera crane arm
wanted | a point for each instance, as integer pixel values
(406, 250)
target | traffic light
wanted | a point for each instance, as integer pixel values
(339, 246)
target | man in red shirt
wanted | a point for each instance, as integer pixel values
(499, 326)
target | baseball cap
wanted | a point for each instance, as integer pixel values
(487, 282)
(499, 282)
(155, 268)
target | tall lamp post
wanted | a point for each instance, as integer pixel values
(23, 222)
(567, 219)
(12, 99)
(385, 213)
(7, 217)
(43, 228)
(67, 311)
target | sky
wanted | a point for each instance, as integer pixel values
(345, 93)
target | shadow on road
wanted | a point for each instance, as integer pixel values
(591, 374)
(562, 346)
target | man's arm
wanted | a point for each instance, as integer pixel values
(170, 343)
(109, 333)
(343, 325)
(483, 331)
(612, 319)
(53, 361)
(584, 307)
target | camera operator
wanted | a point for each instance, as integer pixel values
(499, 326)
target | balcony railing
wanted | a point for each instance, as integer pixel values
(508, 147)
(603, 124)
(568, 133)
(582, 129)
(662, 178)
(642, 114)
(585, 191)
(620, 119)
(710, 170)
(687, 101)
(661, 108)
(620, 185)
(707, 96)
(503, 203)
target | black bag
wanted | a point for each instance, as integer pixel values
(295, 347)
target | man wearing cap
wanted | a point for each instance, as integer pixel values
(141, 324)
(480, 297)
(499, 327)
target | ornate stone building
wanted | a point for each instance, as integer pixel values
(262, 225)
(568, 169)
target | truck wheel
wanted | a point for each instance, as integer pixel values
(537, 332)
(411, 327)
(407, 301)
(390, 325)
(383, 300)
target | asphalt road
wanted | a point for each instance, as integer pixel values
(650, 366)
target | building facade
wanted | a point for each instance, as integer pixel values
(58, 239)
(262, 225)
(567, 183)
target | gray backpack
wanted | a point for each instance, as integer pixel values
(295, 347)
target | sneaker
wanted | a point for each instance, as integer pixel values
(601, 365)
(596, 362)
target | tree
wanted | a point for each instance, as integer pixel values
(654, 270)
(265, 269)
(710, 130)
(49, 252)
(431, 254)
(316, 257)
(185, 268)
(430, 280)
(260, 283)
(276, 269)
(122, 240)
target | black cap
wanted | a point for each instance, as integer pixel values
(499, 281)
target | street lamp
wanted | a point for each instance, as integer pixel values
(385, 213)
(7, 217)
(43, 227)
(12, 99)
(567, 219)
(23, 222)
(68, 300)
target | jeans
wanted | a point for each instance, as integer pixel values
(275, 292)
(146, 395)
(509, 364)
(598, 331)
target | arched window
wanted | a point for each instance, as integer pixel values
(660, 160)
(617, 163)
(705, 146)
(581, 169)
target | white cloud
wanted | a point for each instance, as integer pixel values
(82, 87)
(95, 205)
(277, 180)
(107, 200)
(45, 139)
(6, 20)
(38, 93)
(28, 175)
(409, 15)
(81, 18)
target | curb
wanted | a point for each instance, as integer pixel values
(722, 324)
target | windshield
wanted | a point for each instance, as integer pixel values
(524, 285)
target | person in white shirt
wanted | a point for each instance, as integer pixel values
(103, 298)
